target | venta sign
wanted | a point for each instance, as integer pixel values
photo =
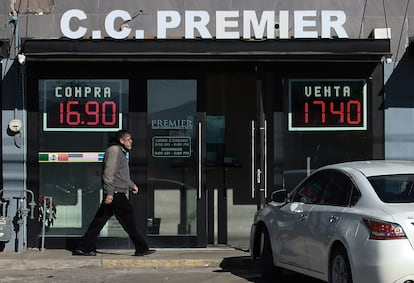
(228, 24)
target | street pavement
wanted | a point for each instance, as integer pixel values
(163, 258)
(218, 264)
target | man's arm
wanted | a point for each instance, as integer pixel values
(108, 175)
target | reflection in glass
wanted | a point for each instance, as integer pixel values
(70, 154)
(172, 162)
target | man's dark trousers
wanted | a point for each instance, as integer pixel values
(123, 211)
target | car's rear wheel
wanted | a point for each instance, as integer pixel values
(339, 268)
(267, 268)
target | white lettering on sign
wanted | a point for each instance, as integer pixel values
(167, 20)
(65, 23)
(302, 24)
(171, 124)
(110, 28)
(227, 24)
(171, 147)
(267, 22)
(87, 91)
(197, 20)
(334, 20)
(327, 91)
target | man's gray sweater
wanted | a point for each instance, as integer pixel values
(116, 176)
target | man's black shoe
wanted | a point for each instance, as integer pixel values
(142, 253)
(80, 252)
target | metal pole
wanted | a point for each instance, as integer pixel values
(43, 224)
(44, 219)
(260, 154)
(15, 20)
(16, 35)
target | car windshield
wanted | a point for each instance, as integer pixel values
(394, 188)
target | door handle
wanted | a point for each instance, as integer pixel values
(333, 218)
(265, 158)
(199, 159)
(252, 161)
(256, 174)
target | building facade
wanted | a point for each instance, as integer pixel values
(226, 100)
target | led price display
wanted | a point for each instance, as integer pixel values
(327, 105)
(83, 105)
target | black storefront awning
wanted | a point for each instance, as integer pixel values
(153, 49)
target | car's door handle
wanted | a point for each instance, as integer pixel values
(333, 219)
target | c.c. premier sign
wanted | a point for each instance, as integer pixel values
(244, 24)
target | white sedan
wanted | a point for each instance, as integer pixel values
(347, 222)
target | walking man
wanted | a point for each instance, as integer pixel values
(116, 183)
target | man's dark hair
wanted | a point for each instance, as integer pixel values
(122, 133)
(119, 135)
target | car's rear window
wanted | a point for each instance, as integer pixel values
(394, 188)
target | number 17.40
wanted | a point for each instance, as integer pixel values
(344, 112)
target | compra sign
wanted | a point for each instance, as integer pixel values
(244, 24)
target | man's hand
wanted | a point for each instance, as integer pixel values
(108, 199)
(135, 190)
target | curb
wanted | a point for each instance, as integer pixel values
(161, 263)
(53, 264)
(25, 264)
(169, 258)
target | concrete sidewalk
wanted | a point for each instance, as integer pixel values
(162, 258)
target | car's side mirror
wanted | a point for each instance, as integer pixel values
(279, 195)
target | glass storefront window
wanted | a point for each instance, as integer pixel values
(172, 160)
(328, 122)
(77, 118)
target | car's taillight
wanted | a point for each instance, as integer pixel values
(384, 230)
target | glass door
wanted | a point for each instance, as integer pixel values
(174, 161)
(237, 152)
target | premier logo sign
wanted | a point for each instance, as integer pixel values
(245, 24)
